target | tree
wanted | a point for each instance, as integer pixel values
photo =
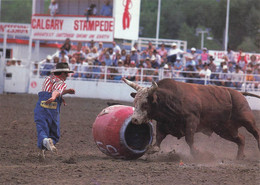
(16, 11)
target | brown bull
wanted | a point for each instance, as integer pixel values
(182, 109)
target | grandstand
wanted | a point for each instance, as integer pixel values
(32, 45)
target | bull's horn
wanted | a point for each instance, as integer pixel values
(154, 86)
(132, 84)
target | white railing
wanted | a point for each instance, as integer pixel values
(146, 76)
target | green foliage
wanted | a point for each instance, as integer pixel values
(16, 11)
(180, 18)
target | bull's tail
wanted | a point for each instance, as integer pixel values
(250, 94)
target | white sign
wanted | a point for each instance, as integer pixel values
(75, 28)
(15, 29)
(218, 55)
(127, 13)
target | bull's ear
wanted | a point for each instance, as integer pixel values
(133, 94)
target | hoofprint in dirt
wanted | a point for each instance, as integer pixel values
(79, 161)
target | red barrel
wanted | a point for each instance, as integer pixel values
(117, 137)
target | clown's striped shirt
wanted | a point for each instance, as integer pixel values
(52, 83)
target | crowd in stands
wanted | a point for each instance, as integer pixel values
(90, 62)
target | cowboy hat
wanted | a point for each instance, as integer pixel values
(62, 67)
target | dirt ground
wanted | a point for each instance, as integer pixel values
(79, 161)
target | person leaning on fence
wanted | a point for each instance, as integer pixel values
(47, 67)
(237, 78)
(205, 74)
(249, 79)
(47, 109)
(225, 77)
(257, 79)
(53, 8)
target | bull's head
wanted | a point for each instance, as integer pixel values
(141, 105)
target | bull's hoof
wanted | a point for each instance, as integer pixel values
(153, 149)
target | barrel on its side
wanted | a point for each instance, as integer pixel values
(117, 137)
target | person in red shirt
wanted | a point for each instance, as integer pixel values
(47, 110)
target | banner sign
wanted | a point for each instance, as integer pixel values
(218, 55)
(15, 29)
(75, 28)
(127, 13)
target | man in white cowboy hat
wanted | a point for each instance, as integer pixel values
(173, 53)
(47, 110)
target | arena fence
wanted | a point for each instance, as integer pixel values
(106, 83)
(146, 76)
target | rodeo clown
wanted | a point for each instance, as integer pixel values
(47, 110)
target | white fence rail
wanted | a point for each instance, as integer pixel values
(146, 76)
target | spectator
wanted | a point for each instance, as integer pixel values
(231, 55)
(123, 54)
(157, 56)
(96, 70)
(237, 78)
(82, 67)
(193, 56)
(102, 70)
(148, 72)
(91, 11)
(213, 69)
(19, 63)
(162, 51)
(53, 8)
(241, 55)
(8, 63)
(118, 57)
(106, 9)
(173, 53)
(13, 62)
(134, 56)
(204, 56)
(91, 44)
(74, 67)
(205, 73)
(66, 46)
(112, 54)
(108, 60)
(190, 63)
(178, 67)
(47, 67)
(89, 69)
(253, 60)
(250, 79)
(100, 48)
(231, 67)
(56, 60)
(63, 57)
(118, 71)
(93, 55)
(225, 77)
(257, 79)
(132, 71)
(242, 62)
(116, 48)
(199, 66)
(167, 73)
(125, 72)
(154, 63)
(150, 47)
(127, 59)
